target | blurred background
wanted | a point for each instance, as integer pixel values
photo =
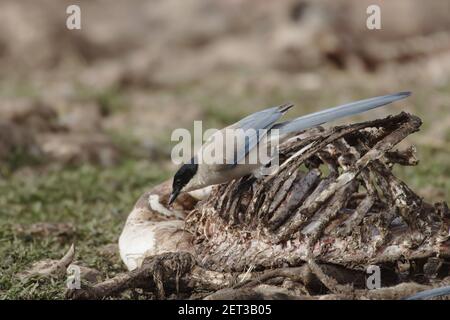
(86, 115)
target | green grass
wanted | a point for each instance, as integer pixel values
(96, 201)
(110, 99)
(432, 171)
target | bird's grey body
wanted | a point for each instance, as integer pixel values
(254, 133)
(238, 159)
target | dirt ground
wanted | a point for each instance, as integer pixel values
(86, 115)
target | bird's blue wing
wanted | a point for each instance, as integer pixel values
(252, 126)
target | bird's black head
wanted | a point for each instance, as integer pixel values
(181, 178)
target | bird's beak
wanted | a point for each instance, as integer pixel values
(173, 196)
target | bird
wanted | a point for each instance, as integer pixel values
(197, 174)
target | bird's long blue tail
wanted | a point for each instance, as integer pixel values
(317, 118)
(432, 293)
